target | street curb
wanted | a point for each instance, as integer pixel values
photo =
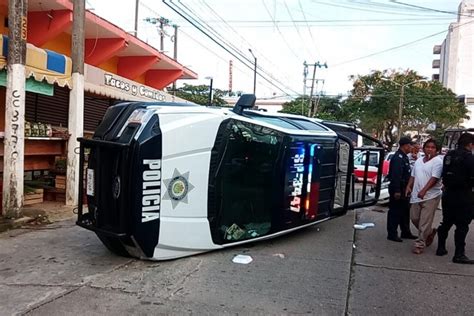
(8, 224)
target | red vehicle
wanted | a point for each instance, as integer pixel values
(359, 166)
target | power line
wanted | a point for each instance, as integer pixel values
(243, 59)
(240, 36)
(215, 54)
(329, 20)
(347, 25)
(429, 9)
(397, 47)
(233, 47)
(279, 31)
(307, 25)
(296, 27)
(365, 10)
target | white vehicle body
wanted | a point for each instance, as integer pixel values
(172, 180)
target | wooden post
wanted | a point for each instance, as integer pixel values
(76, 103)
(14, 142)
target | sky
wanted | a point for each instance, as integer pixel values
(351, 37)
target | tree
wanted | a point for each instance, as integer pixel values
(329, 108)
(200, 94)
(375, 100)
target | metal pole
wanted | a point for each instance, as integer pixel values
(14, 141)
(254, 71)
(137, 4)
(210, 93)
(400, 110)
(255, 77)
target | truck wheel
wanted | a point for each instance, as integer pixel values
(114, 245)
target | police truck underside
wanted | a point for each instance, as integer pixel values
(167, 180)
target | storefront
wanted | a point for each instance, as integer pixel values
(118, 67)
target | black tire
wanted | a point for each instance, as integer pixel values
(114, 245)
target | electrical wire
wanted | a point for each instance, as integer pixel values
(365, 10)
(220, 57)
(245, 61)
(241, 37)
(398, 46)
(279, 32)
(428, 9)
(307, 25)
(234, 48)
(297, 28)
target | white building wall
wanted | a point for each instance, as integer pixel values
(457, 53)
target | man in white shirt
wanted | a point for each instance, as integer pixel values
(425, 188)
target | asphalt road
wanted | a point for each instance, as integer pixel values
(327, 269)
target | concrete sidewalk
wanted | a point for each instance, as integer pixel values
(38, 215)
(388, 279)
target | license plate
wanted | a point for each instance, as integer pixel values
(90, 182)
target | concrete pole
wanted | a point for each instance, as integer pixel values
(310, 108)
(14, 141)
(76, 103)
(137, 5)
(162, 35)
(175, 52)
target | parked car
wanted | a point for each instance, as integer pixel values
(359, 167)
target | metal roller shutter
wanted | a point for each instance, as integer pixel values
(54, 109)
(48, 109)
(94, 110)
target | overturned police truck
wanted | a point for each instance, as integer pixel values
(167, 180)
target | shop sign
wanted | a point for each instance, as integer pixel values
(133, 88)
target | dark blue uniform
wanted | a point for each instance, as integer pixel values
(399, 209)
(457, 200)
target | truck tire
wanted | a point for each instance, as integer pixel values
(114, 245)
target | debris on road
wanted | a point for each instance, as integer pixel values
(242, 259)
(363, 226)
(279, 255)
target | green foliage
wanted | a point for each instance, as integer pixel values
(200, 94)
(375, 99)
(329, 108)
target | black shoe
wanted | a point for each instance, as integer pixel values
(408, 236)
(397, 239)
(441, 252)
(462, 259)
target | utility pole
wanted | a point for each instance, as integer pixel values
(137, 4)
(76, 103)
(310, 107)
(311, 110)
(162, 34)
(305, 75)
(175, 52)
(319, 97)
(14, 141)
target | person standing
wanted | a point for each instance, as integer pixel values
(414, 154)
(425, 190)
(399, 206)
(458, 198)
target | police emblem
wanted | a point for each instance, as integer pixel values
(177, 188)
